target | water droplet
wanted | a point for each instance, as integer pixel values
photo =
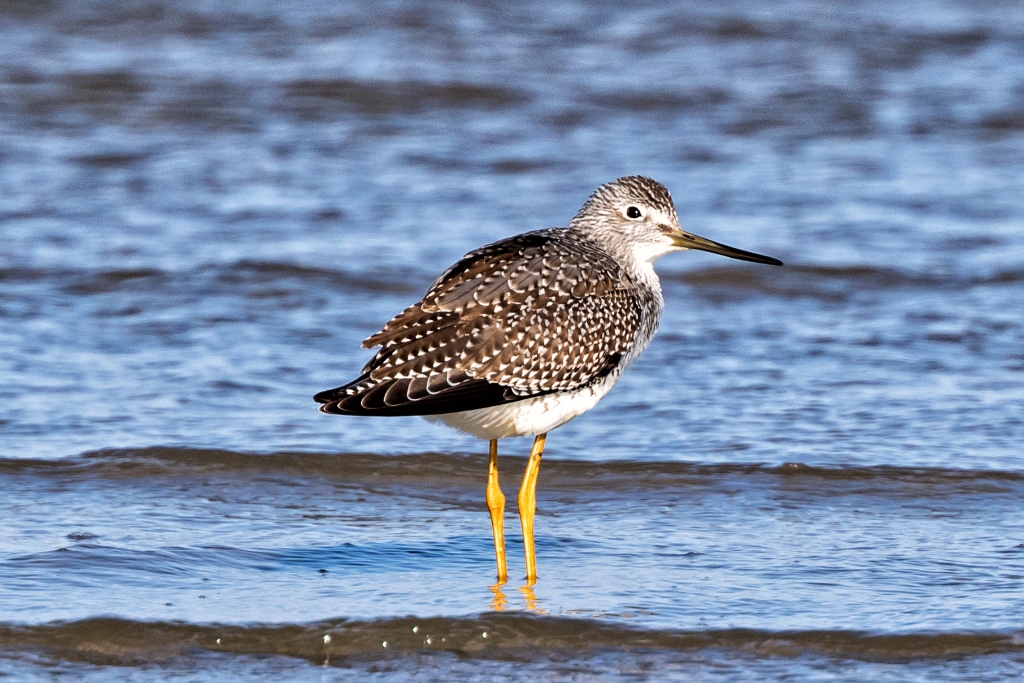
(484, 634)
(384, 644)
(428, 640)
(218, 641)
(415, 629)
(327, 638)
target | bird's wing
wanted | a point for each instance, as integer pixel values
(536, 313)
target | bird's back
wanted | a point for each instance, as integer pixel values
(542, 312)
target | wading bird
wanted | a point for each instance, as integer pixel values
(525, 334)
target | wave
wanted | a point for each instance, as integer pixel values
(793, 281)
(454, 470)
(315, 99)
(239, 103)
(212, 278)
(246, 103)
(833, 282)
(491, 635)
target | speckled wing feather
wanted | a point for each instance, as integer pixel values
(533, 314)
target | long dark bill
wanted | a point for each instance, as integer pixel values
(688, 240)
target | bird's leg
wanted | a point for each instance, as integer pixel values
(496, 506)
(527, 506)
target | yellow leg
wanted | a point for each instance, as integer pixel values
(496, 506)
(528, 505)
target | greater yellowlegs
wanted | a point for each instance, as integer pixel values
(525, 334)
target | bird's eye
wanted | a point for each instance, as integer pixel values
(633, 212)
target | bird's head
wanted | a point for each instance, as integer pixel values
(635, 214)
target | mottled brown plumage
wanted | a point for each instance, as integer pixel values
(548, 312)
(540, 312)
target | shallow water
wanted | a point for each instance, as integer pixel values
(813, 473)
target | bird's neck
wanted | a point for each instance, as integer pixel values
(636, 260)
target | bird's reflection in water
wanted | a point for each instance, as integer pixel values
(531, 599)
(499, 601)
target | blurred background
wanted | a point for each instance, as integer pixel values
(206, 206)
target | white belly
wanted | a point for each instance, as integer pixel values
(530, 416)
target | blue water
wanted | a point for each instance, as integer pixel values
(204, 208)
